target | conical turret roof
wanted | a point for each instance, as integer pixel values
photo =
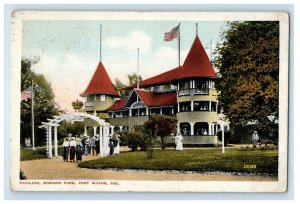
(196, 64)
(101, 83)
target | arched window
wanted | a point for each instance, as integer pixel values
(185, 129)
(201, 128)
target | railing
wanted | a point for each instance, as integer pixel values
(184, 92)
(92, 103)
(196, 91)
(201, 91)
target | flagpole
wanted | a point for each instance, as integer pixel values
(196, 29)
(138, 68)
(211, 50)
(179, 46)
(32, 115)
(100, 42)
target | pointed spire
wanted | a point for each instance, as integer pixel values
(197, 60)
(101, 83)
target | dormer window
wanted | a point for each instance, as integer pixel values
(102, 97)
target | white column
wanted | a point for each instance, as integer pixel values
(160, 111)
(55, 142)
(130, 112)
(192, 105)
(112, 130)
(192, 128)
(121, 128)
(178, 127)
(50, 142)
(85, 130)
(209, 106)
(147, 111)
(172, 110)
(101, 140)
(178, 86)
(191, 84)
(209, 128)
(95, 130)
(178, 108)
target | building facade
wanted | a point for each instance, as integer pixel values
(186, 92)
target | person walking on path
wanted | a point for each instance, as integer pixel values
(72, 149)
(87, 146)
(65, 151)
(79, 150)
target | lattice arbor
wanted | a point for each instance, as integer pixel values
(104, 131)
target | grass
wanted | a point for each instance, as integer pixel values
(38, 153)
(201, 160)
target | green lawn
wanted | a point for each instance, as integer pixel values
(38, 153)
(202, 160)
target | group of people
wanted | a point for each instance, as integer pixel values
(74, 148)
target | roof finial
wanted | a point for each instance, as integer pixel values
(196, 29)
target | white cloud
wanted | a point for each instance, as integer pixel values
(135, 39)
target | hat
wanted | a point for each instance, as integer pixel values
(73, 138)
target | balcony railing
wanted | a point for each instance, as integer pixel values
(92, 103)
(196, 91)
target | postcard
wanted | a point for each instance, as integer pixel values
(112, 101)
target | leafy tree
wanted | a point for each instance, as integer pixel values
(248, 63)
(133, 78)
(66, 127)
(44, 106)
(162, 126)
(119, 87)
(77, 105)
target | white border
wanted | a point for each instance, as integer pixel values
(151, 186)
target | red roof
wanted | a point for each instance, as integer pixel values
(152, 99)
(101, 83)
(118, 105)
(196, 64)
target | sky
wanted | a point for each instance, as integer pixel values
(69, 51)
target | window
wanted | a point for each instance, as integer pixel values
(213, 106)
(201, 106)
(184, 85)
(185, 106)
(102, 97)
(200, 84)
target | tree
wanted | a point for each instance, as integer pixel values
(44, 106)
(162, 126)
(119, 86)
(133, 78)
(248, 63)
(77, 105)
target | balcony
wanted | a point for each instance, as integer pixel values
(196, 91)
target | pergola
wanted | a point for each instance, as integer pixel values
(104, 129)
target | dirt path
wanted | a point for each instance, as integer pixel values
(57, 169)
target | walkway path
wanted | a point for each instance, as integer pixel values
(56, 169)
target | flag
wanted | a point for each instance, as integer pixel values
(27, 94)
(174, 33)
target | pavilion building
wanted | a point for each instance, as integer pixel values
(186, 92)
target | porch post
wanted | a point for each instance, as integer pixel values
(101, 146)
(85, 130)
(50, 142)
(209, 128)
(192, 105)
(192, 128)
(55, 142)
(95, 130)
